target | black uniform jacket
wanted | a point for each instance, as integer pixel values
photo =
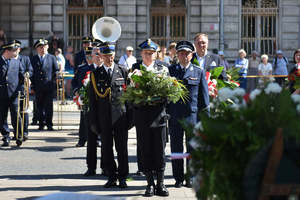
(11, 78)
(44, 74)
(105, 106)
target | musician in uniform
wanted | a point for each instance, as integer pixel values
(80, 57)
(44, 82)
(11, 78)
(108, 115)
(151, 139)
(77, 84)
(193, 77)
(25, 60)
(205, 59)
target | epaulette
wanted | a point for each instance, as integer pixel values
(198, 66)
(82, 64)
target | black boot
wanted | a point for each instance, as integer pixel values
(161, 189)
(150, 184)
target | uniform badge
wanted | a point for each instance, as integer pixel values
(191, 68)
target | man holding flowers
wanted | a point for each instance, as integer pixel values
(150, 121)
(193, 77)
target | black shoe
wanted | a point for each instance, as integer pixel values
(6, 141)
(33, 123)
(25, 137)
(122, 183)
(178, 184)
(161, 190)
(79, 144)
(90, 172)
(188, 183)
(50, 128)
(149, 191)
(41, 128)
(110, 183)
(139, 173)
(104, 173)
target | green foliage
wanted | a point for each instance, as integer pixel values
(230, 137)
(216, 72)
(150, 88)
(84, 94)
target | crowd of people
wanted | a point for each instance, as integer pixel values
(104, 120)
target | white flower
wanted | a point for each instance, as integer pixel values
(199, 126)
(235, 106)
(239, 92)
(298, 108)
(296, 98)
(194, 143)
(273, 88)
(254, 93)
(225, 93)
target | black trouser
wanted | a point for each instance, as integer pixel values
(12, 105)
(44, 101)
(280, 80)
(152, 148)
(138, 154)
(118, 134)
(83, 127)
(176, 134)
(151, 137)
(91, 153)
(35, 111)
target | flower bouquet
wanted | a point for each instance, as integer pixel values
(82, 97)
(239, 127)
(295, 77)
(150, 88)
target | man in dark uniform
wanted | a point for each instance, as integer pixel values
(43, 82)
(80, 57)
(151, 130)
(77, 84)
(193, 77)
(203, 58)
(93, 138)
(11, 78)
(25, 60)
(109, 115)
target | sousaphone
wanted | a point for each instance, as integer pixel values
(106, 29)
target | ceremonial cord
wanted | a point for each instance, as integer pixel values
(107, 91)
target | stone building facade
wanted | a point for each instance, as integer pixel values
(263, 25)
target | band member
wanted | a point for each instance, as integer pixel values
(108, 115)
(43, 82)
(203, 58)
(193, 77)
(93, 139)
(11, 78)
(25, 60)
(150, 129)
(80, 57)
(77, 84)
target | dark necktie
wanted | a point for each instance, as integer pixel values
(109, 72)
(41, 59)
(7, 62)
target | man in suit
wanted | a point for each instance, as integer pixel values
(203, 58)
(25, 60)
(44, 82)
(151, 129)
(11, 78)
(108, 115)
(193, 77)
(80, 57)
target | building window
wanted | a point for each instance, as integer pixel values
(168, 21)
(259, 26)
(81, 16)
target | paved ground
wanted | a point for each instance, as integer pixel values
(49, 163)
